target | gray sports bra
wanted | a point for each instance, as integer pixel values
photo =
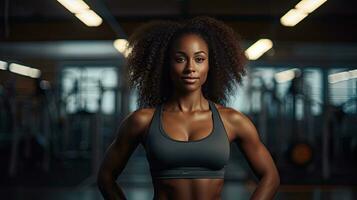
(203, 158)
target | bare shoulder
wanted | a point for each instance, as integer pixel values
(138, 121)
(231, 115)
(236, 123)
(142, 116)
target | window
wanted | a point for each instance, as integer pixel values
(89, 88)
(259, 85)
(343, 92)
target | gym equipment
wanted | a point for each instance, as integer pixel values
(31, 126)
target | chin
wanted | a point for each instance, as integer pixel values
(190, 88)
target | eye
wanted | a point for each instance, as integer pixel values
(200, 59)
(180, 59)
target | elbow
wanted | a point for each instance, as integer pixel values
(277, 177)
(274, 180)
(277, 181)
(103, 179)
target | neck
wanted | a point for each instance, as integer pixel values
(194, 101)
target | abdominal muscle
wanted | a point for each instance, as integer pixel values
(188, 189)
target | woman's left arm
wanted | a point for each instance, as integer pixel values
(257, 156)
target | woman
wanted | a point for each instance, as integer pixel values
(184, 73)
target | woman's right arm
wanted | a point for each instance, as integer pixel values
(129, 135)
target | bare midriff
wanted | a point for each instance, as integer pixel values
(188, 189)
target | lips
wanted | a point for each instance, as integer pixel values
(189, 77)
(189, 80)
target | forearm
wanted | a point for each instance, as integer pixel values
(111, 190)
(266, 189)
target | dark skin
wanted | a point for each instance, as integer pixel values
(189, 57)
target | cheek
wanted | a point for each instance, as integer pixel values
(204, 73)
(176, 67)
(174, 71)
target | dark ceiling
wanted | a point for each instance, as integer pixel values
(47, 20)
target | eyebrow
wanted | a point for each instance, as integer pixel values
(198, 52)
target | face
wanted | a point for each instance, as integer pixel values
(189, 63)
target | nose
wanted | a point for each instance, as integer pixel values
(190, 66)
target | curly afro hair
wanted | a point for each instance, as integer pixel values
(148, 62)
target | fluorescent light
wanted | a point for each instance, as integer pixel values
(287, 75)
(82, 12)
(3, 65)
(309, 6)
(301, 10)
(353, 73)
(122, 46)
(342, 76)
(292, 17)
(128, 51)
(74, 6)
(90, 18)
(24, 70)
(258, 49)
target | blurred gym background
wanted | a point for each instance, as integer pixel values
(63, 93)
